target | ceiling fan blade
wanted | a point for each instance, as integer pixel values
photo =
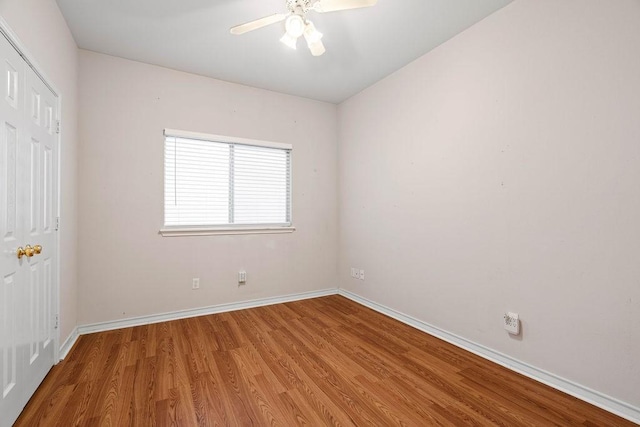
(323, 6)
(317, 48)
(258, 23)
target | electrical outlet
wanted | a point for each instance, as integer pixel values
(195, 283)
(361, 274)
(242, 276)
(512, 323)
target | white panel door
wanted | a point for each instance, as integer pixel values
(40, 151)
(12, 275)
(28, 199)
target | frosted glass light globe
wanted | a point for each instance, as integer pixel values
(294, 26)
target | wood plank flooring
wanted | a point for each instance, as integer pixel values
(325, 361)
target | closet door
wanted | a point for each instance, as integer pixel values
(12, 271)
(28, 162)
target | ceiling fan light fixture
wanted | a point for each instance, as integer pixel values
(289, 41)
(316, 48)
(294, 26)
(311, 35)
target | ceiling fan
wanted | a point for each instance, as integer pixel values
(297, 24)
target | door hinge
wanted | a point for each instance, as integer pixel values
(57, 223)
(58, 126)
(57, 322)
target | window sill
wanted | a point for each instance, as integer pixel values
(214, 231)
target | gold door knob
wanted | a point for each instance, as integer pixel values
(37, 249)
(29, 251)
(20, 252)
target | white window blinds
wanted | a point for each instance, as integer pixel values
(223, 182)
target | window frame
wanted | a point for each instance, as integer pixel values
(226, 229)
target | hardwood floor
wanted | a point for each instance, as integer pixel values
(326, 361)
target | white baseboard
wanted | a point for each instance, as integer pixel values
(67, 345)
(202, 311)
(608, 403)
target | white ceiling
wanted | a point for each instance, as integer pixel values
(363, 45)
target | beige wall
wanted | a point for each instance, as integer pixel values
(501, 172)
(41, 28)
(126, 269)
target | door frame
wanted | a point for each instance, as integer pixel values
(14, 40)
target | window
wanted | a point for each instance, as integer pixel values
(223, 185)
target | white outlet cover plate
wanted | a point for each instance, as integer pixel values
(512, 323)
